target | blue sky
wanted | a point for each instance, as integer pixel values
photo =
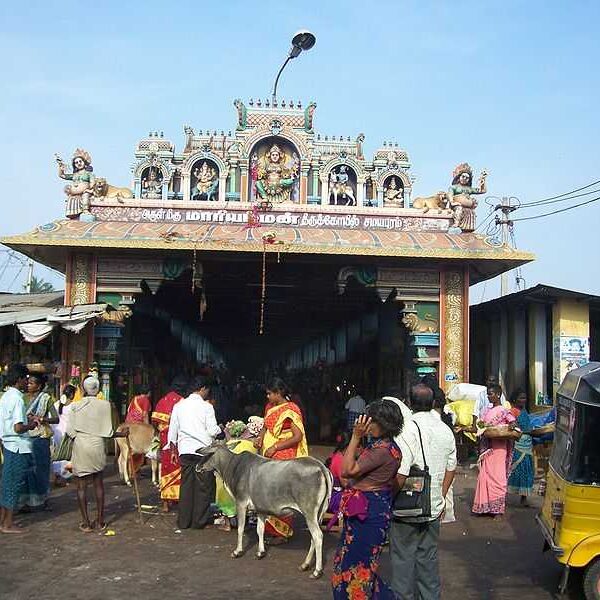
(510, 86)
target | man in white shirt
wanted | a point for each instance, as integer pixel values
(414, 540)
(405, 439)
(354, 408)
(14, 432)
(193, 426)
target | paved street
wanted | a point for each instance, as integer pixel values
(480, 558)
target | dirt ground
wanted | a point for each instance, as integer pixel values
(480, 558)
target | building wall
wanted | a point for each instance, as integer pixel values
(520, 343)
(570, 319)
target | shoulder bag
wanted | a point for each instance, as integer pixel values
(414, 499)
(64, 450)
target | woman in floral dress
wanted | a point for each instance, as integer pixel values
(367, 504)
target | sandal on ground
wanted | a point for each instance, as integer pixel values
(85, 527)
(100, 527)
(13, 530)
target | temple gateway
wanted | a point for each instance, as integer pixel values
(270, 248)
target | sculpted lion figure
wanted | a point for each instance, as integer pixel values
(428, 324)
(102, 190)
(435, 202)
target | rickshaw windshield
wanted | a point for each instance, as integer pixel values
(576, 451)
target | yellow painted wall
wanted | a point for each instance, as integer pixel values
(569, 318)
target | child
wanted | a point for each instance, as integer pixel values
(334, 463)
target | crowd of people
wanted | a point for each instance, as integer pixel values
(385, 445)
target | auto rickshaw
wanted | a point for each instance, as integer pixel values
(570, 516)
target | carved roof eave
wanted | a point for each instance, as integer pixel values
(464, 246)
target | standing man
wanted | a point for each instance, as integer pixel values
(14, 431)
(193, 426)
(414, 540)
(354, 408)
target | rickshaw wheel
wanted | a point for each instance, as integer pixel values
(591, 581)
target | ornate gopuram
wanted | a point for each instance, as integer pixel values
(268, 227)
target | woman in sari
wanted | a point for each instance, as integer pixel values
(520, 480)
(366, 504)
(41, 405)
(282, 438)
(170, 469)
(63, 407)
(495, 457)
(138, 411)
(334, 464)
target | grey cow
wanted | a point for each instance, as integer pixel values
(274, 487)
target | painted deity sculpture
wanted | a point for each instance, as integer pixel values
(394, 195)
(207, 182)
(341, 188)
(82, 182)
(459, 196)
(276, 175)
(152, 186)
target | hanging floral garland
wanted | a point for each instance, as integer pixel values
(269, 238)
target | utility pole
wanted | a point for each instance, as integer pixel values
(505, 224)
(29, 276)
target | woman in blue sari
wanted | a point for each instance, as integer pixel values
(366, 504)
(38, 476)
(520, 480)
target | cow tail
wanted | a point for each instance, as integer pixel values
(329, 489)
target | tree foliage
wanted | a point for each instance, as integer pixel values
(39, 286)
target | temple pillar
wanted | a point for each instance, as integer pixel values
(232, 181)
(360, 191)
(324, 191)
(304, 185)
(454, 309)
(80, 288)
(244, 196)
(315, 174)
(187, 187)
(222, 187)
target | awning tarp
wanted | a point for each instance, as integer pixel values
(35, 324)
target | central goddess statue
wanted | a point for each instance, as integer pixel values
(275, 176)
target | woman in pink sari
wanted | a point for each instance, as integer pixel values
(495, 456)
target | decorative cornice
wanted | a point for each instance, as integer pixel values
(232, 245)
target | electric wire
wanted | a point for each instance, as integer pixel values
(546, 200)
(572, 197)
(16, 277)
(491, 214)
(555, 212)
